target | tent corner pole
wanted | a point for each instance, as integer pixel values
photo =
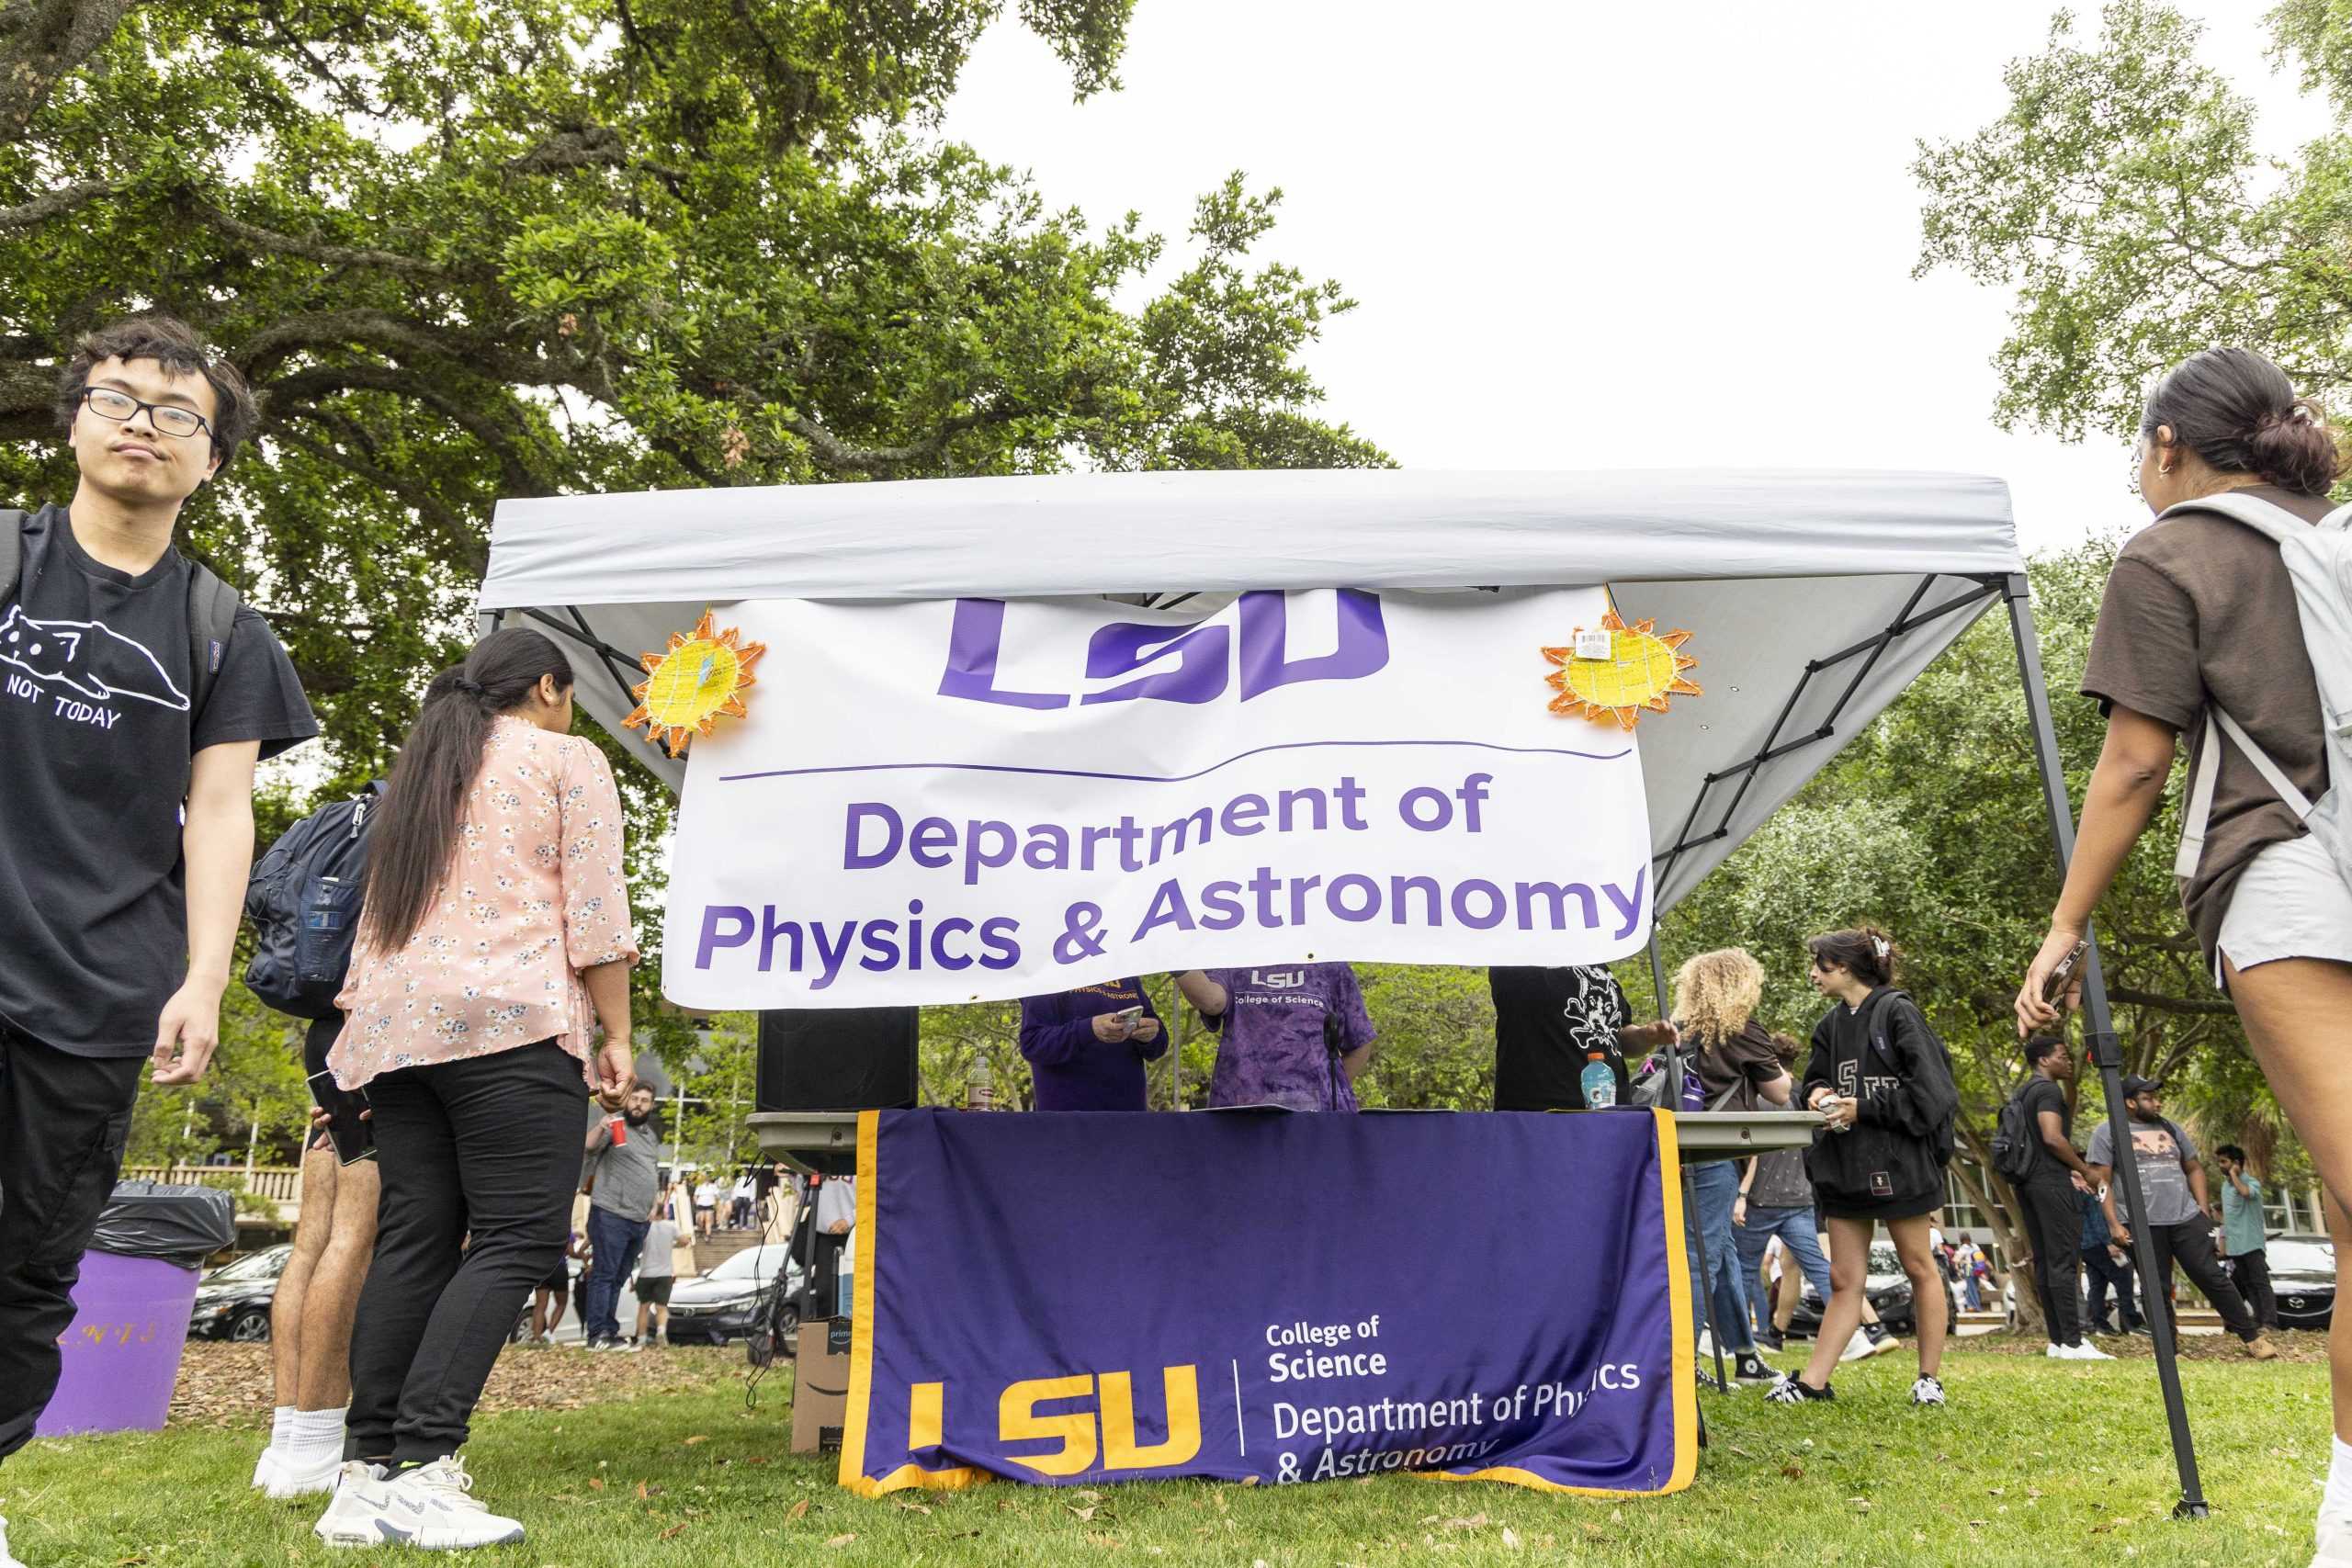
(2100, 1040)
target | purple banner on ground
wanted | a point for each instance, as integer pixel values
(1080, 1298)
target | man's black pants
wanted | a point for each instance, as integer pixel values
(64, 1120)
(2191, 1243)
(2250, 1272)
(2053, 1228)
(480, 1159)
(2105, 1271)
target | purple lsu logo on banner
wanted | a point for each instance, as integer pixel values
(1204, 654)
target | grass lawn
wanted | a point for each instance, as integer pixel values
(2034, 1462)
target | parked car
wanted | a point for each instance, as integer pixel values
(232, 1301)
(729, 1301)
(1888, 1289)
(2302, 1276)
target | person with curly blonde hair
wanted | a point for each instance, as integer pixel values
(1715, 997)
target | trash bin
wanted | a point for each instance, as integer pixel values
(131, 1305)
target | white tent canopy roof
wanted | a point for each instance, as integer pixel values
(1813, 597)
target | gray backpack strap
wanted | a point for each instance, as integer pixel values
(12, 549)
(211, 614)
(2267, 518)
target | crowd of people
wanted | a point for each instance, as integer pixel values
(486, 1001)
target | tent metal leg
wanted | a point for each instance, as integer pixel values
(2100, 1041)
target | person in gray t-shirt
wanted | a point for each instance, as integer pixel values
(2179, 1215)
(623, 1179)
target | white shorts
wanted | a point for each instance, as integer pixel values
(2292, 901)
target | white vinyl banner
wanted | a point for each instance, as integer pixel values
(962, 800)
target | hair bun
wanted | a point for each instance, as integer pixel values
(2292, 449)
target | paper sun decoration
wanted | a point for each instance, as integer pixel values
(1642, 669)
(701, 676)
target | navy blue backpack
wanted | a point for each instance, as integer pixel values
(303, 902)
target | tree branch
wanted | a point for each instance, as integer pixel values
(64, 198)
(312, 249)
(2168, 1004)
(41, 42)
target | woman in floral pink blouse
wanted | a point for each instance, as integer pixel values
(495, 939)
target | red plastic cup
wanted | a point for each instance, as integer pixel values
(619, 1129)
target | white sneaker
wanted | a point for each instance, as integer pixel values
(1927, 1391)
(7, 1558)
(361, 1494)
(2058, 1352)
(282, 1476)
(2086, 1351)
(436, 1506)
(2333, 1548)
(1857, 1348)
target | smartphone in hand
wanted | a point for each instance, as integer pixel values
(353, 1138)
(2061, 978)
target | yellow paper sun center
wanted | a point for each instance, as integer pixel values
(1643, 671)
(689, 686)
(693, 683)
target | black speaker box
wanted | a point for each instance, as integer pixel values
(838, 1059)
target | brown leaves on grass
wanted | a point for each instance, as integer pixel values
(229, 1386)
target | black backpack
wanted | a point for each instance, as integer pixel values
(2017, 1143)
(212, 604)
(303, 902)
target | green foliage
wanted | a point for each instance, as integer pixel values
(2123, 199)
(253, 1098)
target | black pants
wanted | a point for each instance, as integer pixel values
(2191, 1244)
(479, 1160)
(2053, 1228)
(2106, 1272)
(64, 1120)
(2250, 1272)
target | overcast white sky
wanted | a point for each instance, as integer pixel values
(1601, 236)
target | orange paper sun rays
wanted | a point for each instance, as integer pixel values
(700, 678)
(1643, 670)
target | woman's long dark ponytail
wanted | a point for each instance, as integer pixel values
(415, 836)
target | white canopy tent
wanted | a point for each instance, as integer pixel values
(1815, 597)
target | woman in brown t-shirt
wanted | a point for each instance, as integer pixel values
(2200, 612)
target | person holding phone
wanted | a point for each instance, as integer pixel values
(494, 941)
(2200, 620)
(1087, 1047)
(1882, 1081)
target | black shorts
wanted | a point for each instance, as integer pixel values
(654, 1291)
(560, 1280)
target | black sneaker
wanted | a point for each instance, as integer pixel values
(1880, 1339)
(1786, 1390)
(1770, 1339)
(1748, 1367)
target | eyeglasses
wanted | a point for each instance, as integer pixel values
(122, 408)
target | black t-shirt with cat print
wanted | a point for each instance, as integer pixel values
(95, 734)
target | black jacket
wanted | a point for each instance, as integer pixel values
(1890, 1059)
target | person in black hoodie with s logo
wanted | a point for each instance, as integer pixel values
(1883, 1082)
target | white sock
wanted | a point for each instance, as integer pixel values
(281, 1423)
(2338, 1499)
(315, 1434)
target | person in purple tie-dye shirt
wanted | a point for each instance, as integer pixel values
(1294, 1036)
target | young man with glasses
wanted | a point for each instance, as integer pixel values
(135, 699)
